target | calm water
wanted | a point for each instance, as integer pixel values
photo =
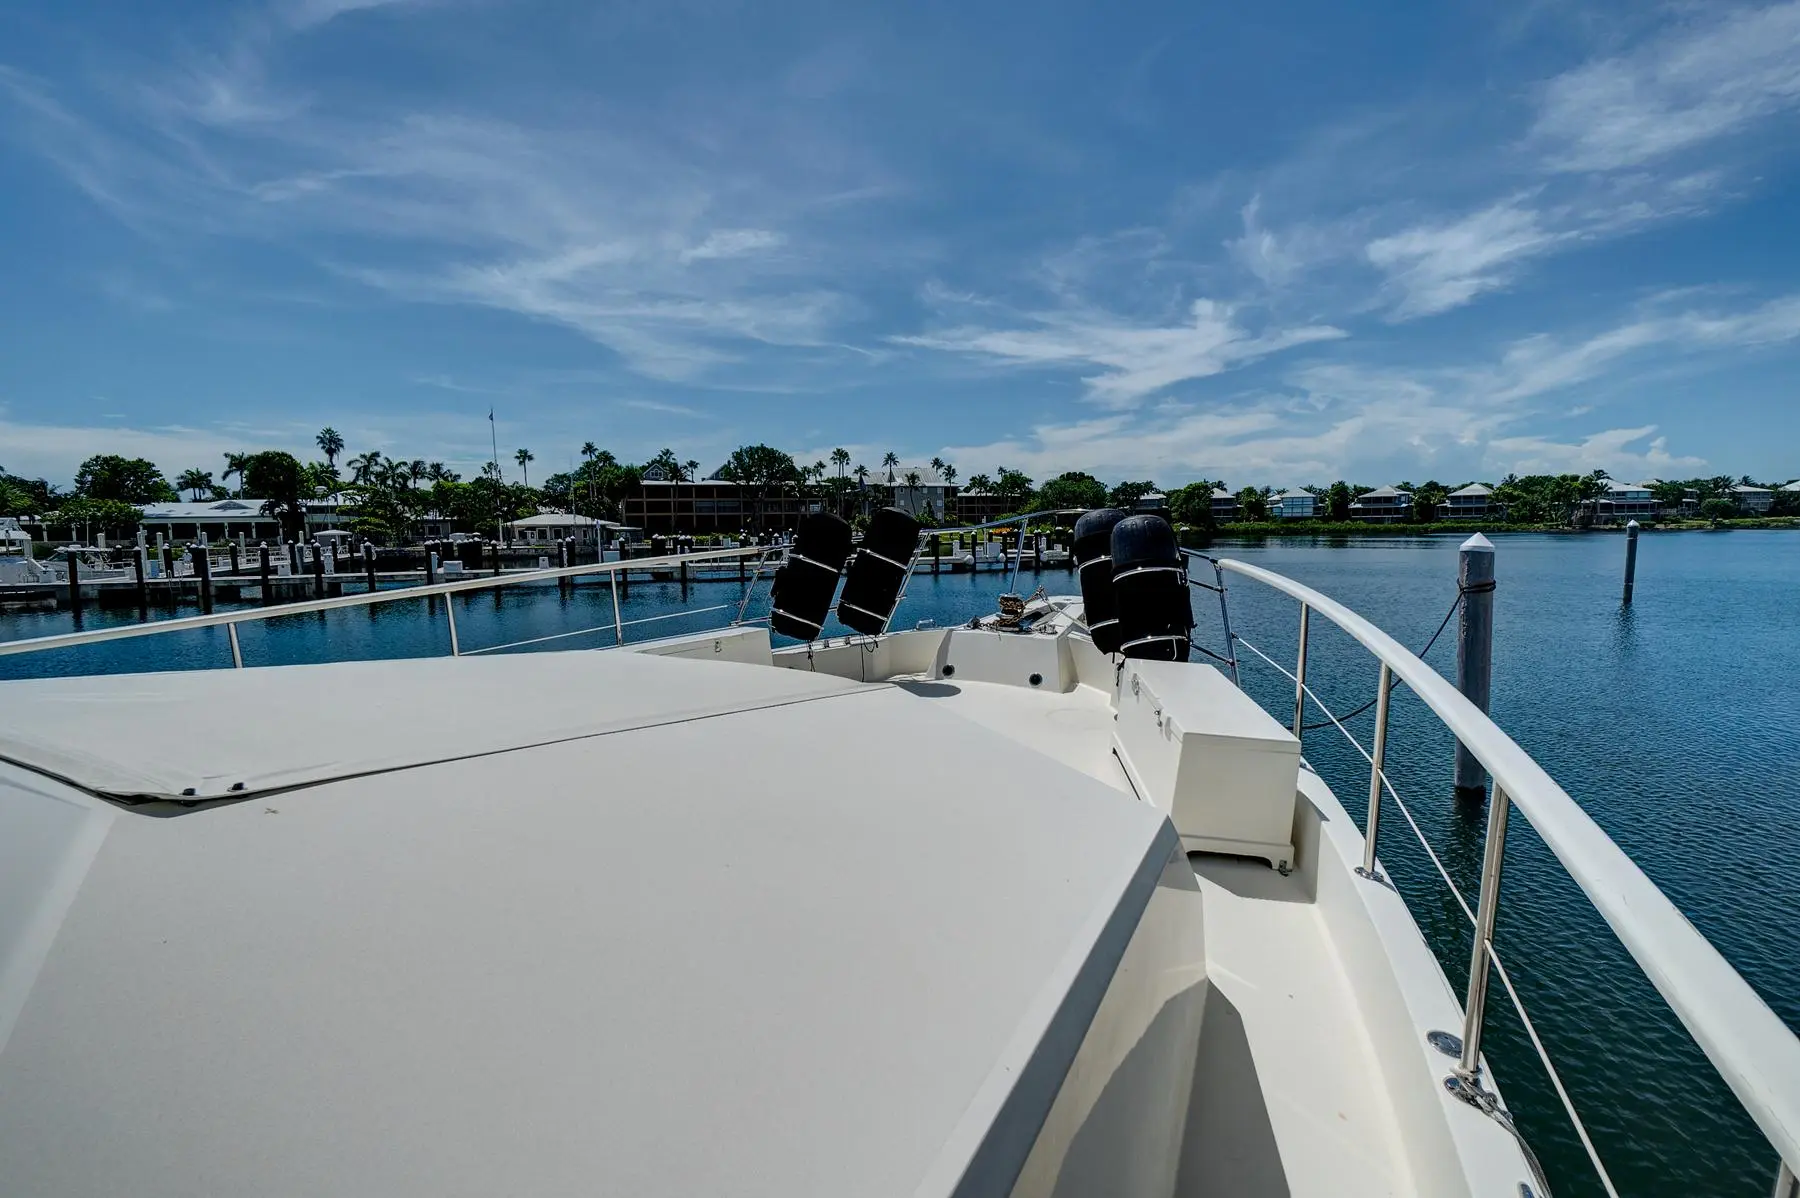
(1673, 723)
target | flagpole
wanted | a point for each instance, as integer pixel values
(499, 524)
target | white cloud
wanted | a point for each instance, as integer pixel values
(668, 409)
(732, 243)
(1435, 267)
(305, 14)
(1135, 360)
(1697, 83)
(636, 236)
(1617, 451)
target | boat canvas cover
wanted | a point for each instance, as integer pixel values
(182, 734)
(739, 953)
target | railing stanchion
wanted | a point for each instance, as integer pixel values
(1225, 619)
(450, 612)
(618, 625)
(1300, 676)
(1486, 908)
(1372, 829)
(237, 650)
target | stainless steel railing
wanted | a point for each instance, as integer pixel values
(1747, 1043)
(231, 619)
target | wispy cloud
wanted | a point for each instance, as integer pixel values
(1135, 360)
(1433, 268)
(668, 409)
(678, 257)
(1705, 79)
(1621, 452)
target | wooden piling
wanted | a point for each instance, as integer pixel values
(1474, 649)
(203, 571)
(233, 545)
(142, 570)
(368, 556)
(74, 583)
(1631, 540)
(431, 559)
(318, 572)
(268, 588)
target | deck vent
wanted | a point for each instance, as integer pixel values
(1094, 563)
(877, 573)
(1149, 583)
(803, 587)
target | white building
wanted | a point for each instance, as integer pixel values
(1473, 502)
(1295, 505)
(1623, 502)
(1224, 505)
(1383, 505)
(216, 519)
(547, 528)
(932, 494)
(1753, 501)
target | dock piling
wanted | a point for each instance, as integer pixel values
(1474, 649)
(268, 588)
(75, 585)
(203, 571)
(1631, 539)
(431, 561)
(318, 572)
(368, 556)
(141, 568)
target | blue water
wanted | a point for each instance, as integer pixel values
(1672, 722)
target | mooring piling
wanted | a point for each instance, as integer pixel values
(1631, 540)
(1474, 648)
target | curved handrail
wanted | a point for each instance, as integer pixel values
(63, 640)
(1749, 1045)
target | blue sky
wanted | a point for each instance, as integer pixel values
(1275, 243)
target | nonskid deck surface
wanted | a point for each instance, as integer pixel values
(1288, 1098)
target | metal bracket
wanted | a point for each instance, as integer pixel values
(1448, 1043)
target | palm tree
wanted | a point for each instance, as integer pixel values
(949, 473)
(234, 464)
(937, 464)
(195, 481)
(589, 452)
(330, 443)
(437, 472)
(363, 467)
(524, 458)
(890, 459)
(840, 457)
(862, 485)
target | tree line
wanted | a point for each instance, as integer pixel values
(391, 495)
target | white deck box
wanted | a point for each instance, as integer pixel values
(1202, 750)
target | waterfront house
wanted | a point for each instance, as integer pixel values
(1224, 506)
(1383, 505)
(1753, 501)
(1622, 502)
(979, 507)
(547, 528)
(712, 505)
(1295, 505)
(1473, 502)
(216, 520)
(931, 496)
(1155, 502)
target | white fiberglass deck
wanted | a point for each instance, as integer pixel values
(1289, 1098)
(667, 955)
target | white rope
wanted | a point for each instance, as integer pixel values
(1555, 1078)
